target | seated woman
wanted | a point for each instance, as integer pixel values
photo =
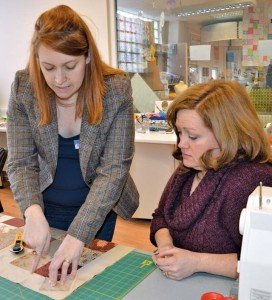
(224, 156)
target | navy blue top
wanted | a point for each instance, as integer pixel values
(64, 197)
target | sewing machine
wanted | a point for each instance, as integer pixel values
(255, 265)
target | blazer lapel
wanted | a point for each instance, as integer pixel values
(88, 134)
(50, 142)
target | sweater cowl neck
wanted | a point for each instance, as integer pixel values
(182, 209)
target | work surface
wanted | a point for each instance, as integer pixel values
(114, 283)
(119, 273)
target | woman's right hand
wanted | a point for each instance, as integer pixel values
(177, 263)
(36, 233)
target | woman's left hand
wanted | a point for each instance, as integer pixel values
(68, 253)
(177, 263)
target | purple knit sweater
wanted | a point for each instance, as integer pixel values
(208, 219)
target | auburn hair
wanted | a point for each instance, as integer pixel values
(63, 30)
(226, 109)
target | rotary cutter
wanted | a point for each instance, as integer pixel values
(18, 243)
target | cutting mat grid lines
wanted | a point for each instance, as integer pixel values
(117, 280)
(11, 291)
(112, 284)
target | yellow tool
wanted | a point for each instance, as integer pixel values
(18, 243)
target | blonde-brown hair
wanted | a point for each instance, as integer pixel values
(63, 30)
(226, 109)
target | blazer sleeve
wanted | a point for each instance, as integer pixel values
(113, 169)
(23, 166)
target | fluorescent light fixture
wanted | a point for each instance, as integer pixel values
(228, 15)
(215, 9)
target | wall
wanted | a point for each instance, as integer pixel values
(177, 63)
(221, 32)
(17, 20)
(257, 26)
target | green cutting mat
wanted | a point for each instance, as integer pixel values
(11, 291)
(113, 283)
(118, 279)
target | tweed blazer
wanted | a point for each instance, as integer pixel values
(105, 152)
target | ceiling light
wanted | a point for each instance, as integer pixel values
(208, 10)
(228, 15)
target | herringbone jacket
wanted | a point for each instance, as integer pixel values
(105, 153)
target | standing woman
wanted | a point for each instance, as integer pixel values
(70, 139)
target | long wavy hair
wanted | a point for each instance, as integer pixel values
(226, 109)
(63, 30)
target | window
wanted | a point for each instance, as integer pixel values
(133, 41)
